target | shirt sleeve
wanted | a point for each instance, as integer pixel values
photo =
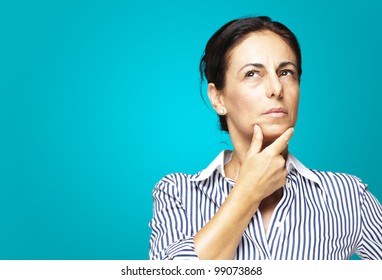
(371, 236)
(171, 234)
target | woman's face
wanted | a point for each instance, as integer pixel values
(262, 86)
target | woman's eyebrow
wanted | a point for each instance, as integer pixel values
(257, 65)
(286, 63)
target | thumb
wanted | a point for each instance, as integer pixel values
(257, 140)
(282, 142)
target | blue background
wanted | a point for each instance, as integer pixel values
(100, 99)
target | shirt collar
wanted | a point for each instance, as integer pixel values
(218, 163)
(225, 156)
(294, 163)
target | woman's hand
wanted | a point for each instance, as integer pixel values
(263, 171)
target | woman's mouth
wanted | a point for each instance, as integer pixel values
(276, 112)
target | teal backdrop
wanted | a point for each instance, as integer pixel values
(100, 99)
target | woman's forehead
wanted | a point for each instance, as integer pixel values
(260, 47)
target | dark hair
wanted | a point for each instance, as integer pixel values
(213, 64)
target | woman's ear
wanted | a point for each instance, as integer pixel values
(216, 99)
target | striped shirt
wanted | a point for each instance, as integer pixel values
(321, 216)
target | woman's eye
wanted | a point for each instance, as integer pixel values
(251, 73)
(286, 72)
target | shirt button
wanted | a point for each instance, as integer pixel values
(288, 184)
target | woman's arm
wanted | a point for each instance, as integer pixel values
(219, 238)
(371, 214)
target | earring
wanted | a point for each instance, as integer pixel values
(222, 111)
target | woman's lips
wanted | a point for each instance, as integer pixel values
(276, 112)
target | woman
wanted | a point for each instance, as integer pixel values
(258, 201)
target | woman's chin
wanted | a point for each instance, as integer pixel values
(270, 134)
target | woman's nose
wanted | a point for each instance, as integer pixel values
(275, 88)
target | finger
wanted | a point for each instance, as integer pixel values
(257, 140)
(281, 143)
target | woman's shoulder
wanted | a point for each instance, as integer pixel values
(176, 177)
(339, 179)
(174, 185)
(177, 180)
(328, 180)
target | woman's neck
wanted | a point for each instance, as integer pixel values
(240, 151)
